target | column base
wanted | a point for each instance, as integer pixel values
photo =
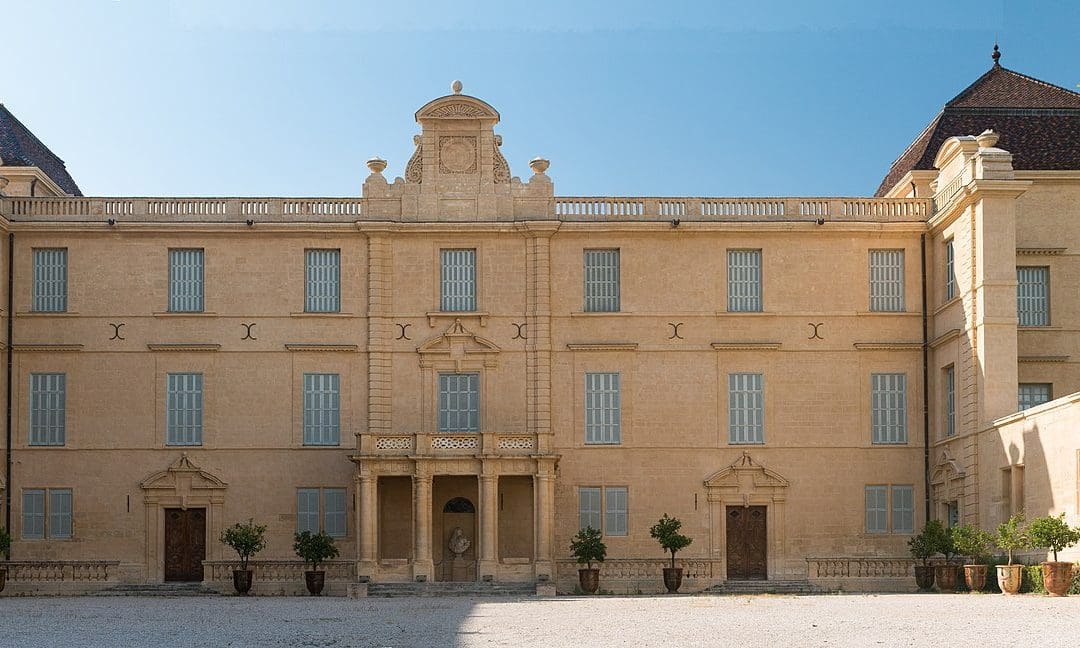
(423, 570)
(366, 570)
(486, 570)
(544, 570)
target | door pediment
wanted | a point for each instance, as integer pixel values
(458, 345)
(183, 477)
(746, 479)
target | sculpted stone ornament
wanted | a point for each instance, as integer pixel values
(458, 544)
(414, 171)
(457, 154)
(376, 165)
(539, 165)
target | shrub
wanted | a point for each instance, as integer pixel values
(940, 539)
(246, 539)
(971, 541)
(315, 548)
(1031, 580)
(1013, 536)
(666, 532)
(1053, 533)
(921, 546)
(587, 547)
(5, 541)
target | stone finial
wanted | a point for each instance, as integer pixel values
(996, 55)
(456, 87)
(539, 165)
(987, 139)
(376, 165)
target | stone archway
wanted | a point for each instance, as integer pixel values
(747, 483)
(183, 485)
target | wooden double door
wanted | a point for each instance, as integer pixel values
(185, 544)
(746, 543)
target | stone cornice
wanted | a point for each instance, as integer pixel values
(602, 346)
(745, 346)
(1042, 358)
(888, 346)
(951, 334)
(182, 346)
(316, 346)
(55, 348)
(1025, 251)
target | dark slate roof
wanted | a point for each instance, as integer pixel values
(19, 147)
(1039, 123)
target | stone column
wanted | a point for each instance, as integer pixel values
(423, 567)
(489, 498)
(544, 519)
(367, 515)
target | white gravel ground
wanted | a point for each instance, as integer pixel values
(883, 620)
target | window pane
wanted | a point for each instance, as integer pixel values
(1034, 394)
(744, 280)
(950, 401)
(876, 520)
(184, 402)
(33, 514)
(589, 508)
(903, 509)
(459, 402)
(601, 281)
(49, 293)
(334, 512)
(458, 280)
(888, 406)
(887, 280)
(322, 409)
(615, 511)
(60, 513)
(603, 408)
(48, 394)
(322, 271)
(307, 510)
(950, 275)
(746, 408)
(1033, 296)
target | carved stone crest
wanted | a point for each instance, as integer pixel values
(457, 154)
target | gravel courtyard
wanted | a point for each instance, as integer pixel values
(883, 620)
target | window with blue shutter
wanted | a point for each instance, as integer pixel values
(458, 281)
(950, 273)
(307, 510)
(50, 280)
(59, 513)
(888, 408)
(184, 403)
(322, 409)
(903, 509)
(950, 401)
(589, 508)
(1033, 296)
(615, 512)
(186, 280)
(744, 280)
(746, 408)
(459, 402)
(1033, 394)
(322, 272)
(877, 509)
(33, 514)
(603, 408)
(48, 395)
(601, 281)
(887, 280)
(334, 512)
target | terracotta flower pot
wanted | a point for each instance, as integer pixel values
(1057, 577)
(241, 580)
(589, 579)
(924, 577)
(672, 579)
(945, 575)
(975, 577)
(315, 580)
(1009, 578)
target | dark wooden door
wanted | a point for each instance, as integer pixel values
(185, 544)
(746, 543)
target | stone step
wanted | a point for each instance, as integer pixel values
(762, 587)
(451, 589)
(158, 589)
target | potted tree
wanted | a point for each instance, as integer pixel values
(315, 548)
(973, 542)
(666, 532)
(5, 544)
(1011, 536)
(1055, 534)
(588, 548)
(247, 540)
(921, 549)
(941, 540)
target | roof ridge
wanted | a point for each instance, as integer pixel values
(998, 69)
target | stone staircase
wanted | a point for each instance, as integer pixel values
(750, 587)
(158, 589)
(451, 589)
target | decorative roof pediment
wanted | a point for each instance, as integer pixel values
(457, 106)
(458, 344)
(183, 476)
(946, 469)
(746, 475)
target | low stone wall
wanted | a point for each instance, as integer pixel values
(280, 577)
(58, 577)
(639, 575)
(861, 574)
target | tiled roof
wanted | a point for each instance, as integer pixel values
(19, 147)
(1039, 123)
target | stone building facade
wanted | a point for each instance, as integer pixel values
(460, 353)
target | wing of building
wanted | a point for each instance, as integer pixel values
(455, 372)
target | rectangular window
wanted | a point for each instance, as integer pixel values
(746, 408)
(334, 512)
(950, 401)
(322, 409)
(603, 408)
(46, 513)
(307, 510)
(601, 281)
(744, 280)
(1033, 394)
(877, 508)
(459, 402)
(952, 514)
(887, 280)
(1033, 296)
(186, 281)
(888, 406)
(950, 273)
(322, 281)
(615, 511)
(50, 281)
(184, 402)
(48, 395)
(458, 281)
(903, 509)
(589, 508)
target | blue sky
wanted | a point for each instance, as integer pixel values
(717, 98)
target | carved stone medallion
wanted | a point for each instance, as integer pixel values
(457, 154)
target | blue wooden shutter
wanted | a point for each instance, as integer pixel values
(48, 409)
(589, 508)
(603, 408)
(744, 280)
(322, 271)
(887, 280)
(615, 511)
(184, 420)
(33, 514)
(903, 509)
(746, 408)
(602, 281)
(322, 409)
(459, 402)
(186, 281)
(888, 406)
(334, 512)
(60, 513)
(877, 509)
(50, 280)
(1033, 296)
(458, 280)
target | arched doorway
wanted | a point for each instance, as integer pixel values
(458, 541)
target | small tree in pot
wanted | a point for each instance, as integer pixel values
(588, 548)
(5, 544)
(922, 548)
(247, 540)
(973, 542)
(941, 540)
(666, 532)
(1011, 536)
(1055, 534)
(315, 548)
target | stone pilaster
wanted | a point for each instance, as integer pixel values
(423, 566)
(538, 343)
(489, 498)
(380, 333)
(367, 516)
(544, 525)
